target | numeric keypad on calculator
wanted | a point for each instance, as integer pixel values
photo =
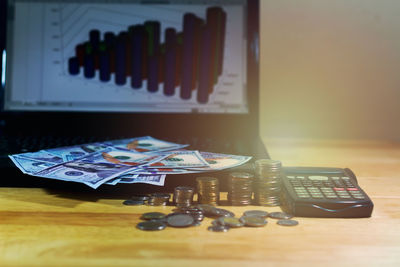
(329, 187)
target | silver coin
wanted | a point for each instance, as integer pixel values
(230, 221)
(253, 221)
(140, 197)
(223, 213)
(131, 202)
(287, 222)
(280, 215)
(259, 213)
(180, 220)
(151, 226)
(153, 216)
(218, 228)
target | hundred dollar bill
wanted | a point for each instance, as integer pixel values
(218, 161)
(30, 166)
(113, 181)
(152, 171)
(97, 168)
(41, 156)
(70, 153)
(145, 144)
(180, 159)
(141, 178)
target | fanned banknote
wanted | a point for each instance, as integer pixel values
(30, 166)
(181, 159)
(41, 156)
(75, 152)
(218, 161)
(155, 179)
(134, 160)
(145, 144)
(92, 170)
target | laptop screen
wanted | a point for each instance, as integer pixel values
(131, 56)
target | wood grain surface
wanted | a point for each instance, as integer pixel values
(41, 227)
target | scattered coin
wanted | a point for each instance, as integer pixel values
(230, 221)
(217, 212)
(131, 202)
(259, 213)
(218, 228)
(140, 197)
(151, 226)
(180, 220)
(195, 212)
(153, 216)
(253, 221)
(287, 222)
(280, 215)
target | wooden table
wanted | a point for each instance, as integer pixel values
(40, 228)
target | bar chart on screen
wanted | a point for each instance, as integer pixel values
(191, 59)
(136, 57)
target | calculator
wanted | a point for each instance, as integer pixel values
(323, 192)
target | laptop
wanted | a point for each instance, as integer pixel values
(83, 71)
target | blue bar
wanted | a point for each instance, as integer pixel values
(120, 60)
(94, 37)
(136, 56)
(170, 62)
(152, 80)
(153, 31)
(105, 72)
(189, 21)
(204, 71)
(88, 67)
(73, 66)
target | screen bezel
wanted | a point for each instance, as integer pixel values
(157, 124)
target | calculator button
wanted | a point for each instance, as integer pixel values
(344, 196)
(339, 184)
(317, 195)
(326, 190)
(300, 177)
(352, 189)
(338, 188)
(335, 178)
(328, 184)
(290, 177)
(318, 178)
(345, 178)
(330, 196)
(359, 197)
(303, 196)
(317, 184)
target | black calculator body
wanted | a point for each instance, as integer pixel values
(323, 192)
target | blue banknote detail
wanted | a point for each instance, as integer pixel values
(41, 156)
(145, 144)
(181, 159)
(30, 166)
(142, 178)
(76, 152)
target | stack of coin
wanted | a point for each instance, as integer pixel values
(267, 185)
(158, 199)
(240, 188)
(183, 196)
(208, 190)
